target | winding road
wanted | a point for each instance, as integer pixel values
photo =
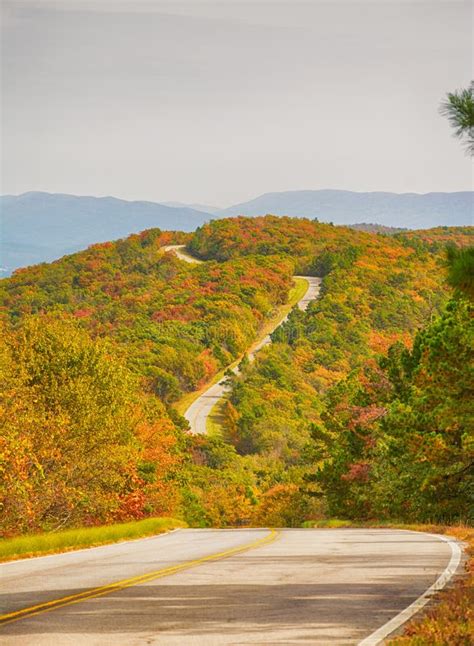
(199, 411)
(217, 587)
(179, 251)
(211, 587)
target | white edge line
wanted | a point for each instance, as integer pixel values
(384, 631)
(28, 559)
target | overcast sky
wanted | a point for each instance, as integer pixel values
(219, 102)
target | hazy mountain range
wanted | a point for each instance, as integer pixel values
(39, 227)
(205, 208)
(405, 210)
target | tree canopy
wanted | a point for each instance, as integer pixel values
(458, 107)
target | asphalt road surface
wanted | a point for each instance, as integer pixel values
(208, 587)
(179, 250)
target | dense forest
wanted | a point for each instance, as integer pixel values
(174, 325)
(360, 407)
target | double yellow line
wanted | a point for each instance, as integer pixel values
(127, 583)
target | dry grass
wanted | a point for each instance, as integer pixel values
(70, 539)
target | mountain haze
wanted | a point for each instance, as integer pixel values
(205, 208)
(39, 227)
(406, 210)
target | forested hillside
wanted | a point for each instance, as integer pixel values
(174, 324)
(376, 289)
(342, 414)
(86, 440)
(375, 425)
(81, 443)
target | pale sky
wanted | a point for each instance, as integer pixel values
(219, 102)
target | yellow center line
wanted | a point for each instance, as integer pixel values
(127, 583)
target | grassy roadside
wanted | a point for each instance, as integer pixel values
(449, 619)
(71, 539)
(215, 419)
(296, 293)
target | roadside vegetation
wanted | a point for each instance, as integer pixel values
(449, 619)
(71, 539)
(81, 443)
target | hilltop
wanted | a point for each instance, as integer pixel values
(40, 227)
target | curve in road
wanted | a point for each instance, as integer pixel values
(179, 251)
(198, 412)
(219, 587)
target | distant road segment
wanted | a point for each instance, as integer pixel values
(201, 408)
(180, 251)
(199, 411)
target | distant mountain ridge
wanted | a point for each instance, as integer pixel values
(399, 210)
(40, 227)
(205, 208)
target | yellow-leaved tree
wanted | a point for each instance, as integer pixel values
(73, 420)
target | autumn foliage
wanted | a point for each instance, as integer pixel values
(369, 413)
(77, 432)
(359, 408)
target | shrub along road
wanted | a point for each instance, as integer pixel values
(247, 586)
